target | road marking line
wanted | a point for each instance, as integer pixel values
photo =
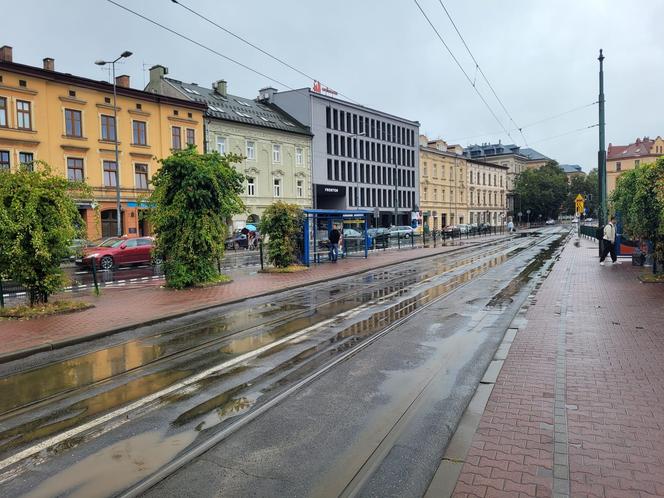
(186, 382)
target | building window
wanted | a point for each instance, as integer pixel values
(221, 145)
(23, 118)
(176, 137)
(618, 166)
(3, 112)
(251, 186)
(298, 156)
(300, 188)
(141, 176)
(277, 187)
(26, 159)
(637, 162)
(110, 173)
(75, 169)
(140, 132)
(276, 153)
(191, 136)
(4, 159)
(73, 126)
(108, 128)
(251, 150)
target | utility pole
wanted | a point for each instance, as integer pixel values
(601, 154)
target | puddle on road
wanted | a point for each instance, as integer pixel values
(115, 467)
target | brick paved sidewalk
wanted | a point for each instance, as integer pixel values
(578, 407)
(125, 307)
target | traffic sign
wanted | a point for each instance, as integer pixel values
(579, 204)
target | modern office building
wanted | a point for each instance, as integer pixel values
(362, 158)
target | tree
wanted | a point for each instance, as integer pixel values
(194, 194)
(38, 220)
(282, 223)
(587, 186)
(542, 190)
(639, 197)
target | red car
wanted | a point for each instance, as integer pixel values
(120, 252)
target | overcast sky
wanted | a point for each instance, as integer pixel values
(540, 57)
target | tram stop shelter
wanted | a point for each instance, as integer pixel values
(319, 222)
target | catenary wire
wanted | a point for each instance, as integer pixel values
(253, 45)
(470, 81)
(479, 69)
(209, 49)
(578, 130)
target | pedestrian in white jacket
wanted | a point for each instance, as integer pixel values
(609, 242)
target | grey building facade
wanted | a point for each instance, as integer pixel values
(361, 158)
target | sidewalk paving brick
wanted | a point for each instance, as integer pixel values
(123, 307)
(595, 335)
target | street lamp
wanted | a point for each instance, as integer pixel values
(528, 219)
(100, 62)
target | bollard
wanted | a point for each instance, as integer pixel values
(424, 238)
(219, 265)
(398, 240)
(94, 275)
(412, 240)
(2, 294)
(260, 250)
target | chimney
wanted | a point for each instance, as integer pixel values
(266, 94)
(157, 73)
(122, 80)
(49, 64)
(220, 87)
(6, 54)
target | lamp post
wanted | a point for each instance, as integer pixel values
(528, 217)
(100, 62)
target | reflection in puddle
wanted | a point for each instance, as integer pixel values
(115, 467)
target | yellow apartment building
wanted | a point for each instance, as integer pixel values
(621, 158)
(67, 121)
(487, 192)
(443, 184)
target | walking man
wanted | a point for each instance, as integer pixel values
(609, 242)
(334, 237)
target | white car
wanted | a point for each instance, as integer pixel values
(550, 222)
(589, 220)
(575, 220)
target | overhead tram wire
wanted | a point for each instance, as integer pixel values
(492, 134)
(477, 65)
(253, 45)
(209, 49)
(463, 71)
(578, 130)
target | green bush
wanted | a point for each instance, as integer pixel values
(282, 223)
(38, 220)
(194, 194)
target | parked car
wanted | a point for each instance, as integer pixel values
(550, 222)
(451, 230)
(401, 231)
(76, 247)
(237, 241)
(380, 236)
(484, 227)
(588, 220)
(463, 228)
(119, 252)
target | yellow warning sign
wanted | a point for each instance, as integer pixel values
(579, 204)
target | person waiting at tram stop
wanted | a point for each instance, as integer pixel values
(334, 237)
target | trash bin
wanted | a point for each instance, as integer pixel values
(638, 258)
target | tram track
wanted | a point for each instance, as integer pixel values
(381, 323)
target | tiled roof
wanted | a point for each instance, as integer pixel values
(570, 168)
(238, 109)
(487, 150)
(642, 147)
(533, 155)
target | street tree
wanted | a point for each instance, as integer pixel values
(639, 198)
(194, 195)
(282, 223)
(38, 220)
(542, 190)
(586, 185)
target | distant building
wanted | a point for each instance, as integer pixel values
(487, 192)
(362, 158)
(571, 170)
(621, 158)
(276, 148)
(443, 184)
(516, 159)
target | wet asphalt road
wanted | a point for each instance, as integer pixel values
(93, 423)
